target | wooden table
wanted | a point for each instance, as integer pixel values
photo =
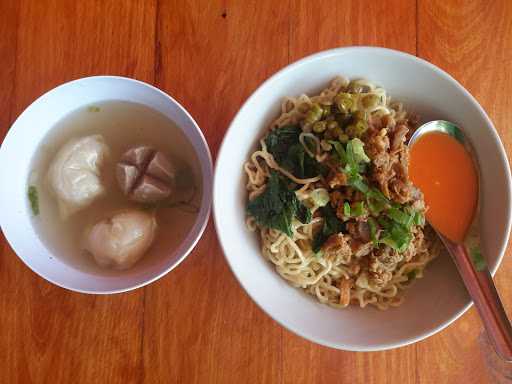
(196, 325)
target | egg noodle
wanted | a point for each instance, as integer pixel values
(345, 278)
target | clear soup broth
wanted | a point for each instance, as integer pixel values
(122, 125)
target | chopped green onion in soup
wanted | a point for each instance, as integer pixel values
(33, 198)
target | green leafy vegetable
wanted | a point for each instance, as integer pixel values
(281, 139)
(284, 145)
(33, 198)
(478, 259)
(310, 144)
(303, 213)
(295, 160)
(277, 206)
(331, 226)
(302, 165)
(411, 275)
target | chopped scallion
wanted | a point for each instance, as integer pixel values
(397, 237)
(419, 218)
(398, 216)
(346, 209)
(320, 197)
(358, 209)
(356, 181)
(372, 223)
(355, 151)
(33, 197)
(338, 147)
(478, 259)
(376, 201)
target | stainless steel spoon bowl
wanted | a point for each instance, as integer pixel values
(477, 278)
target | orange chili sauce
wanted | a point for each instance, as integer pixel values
(443, 170)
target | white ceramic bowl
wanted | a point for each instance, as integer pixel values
(434, 301)
(19, 147)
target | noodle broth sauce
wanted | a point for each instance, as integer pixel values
(122, 125)
(443, 169)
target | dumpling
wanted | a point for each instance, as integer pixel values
(120, 241)
(74, 173)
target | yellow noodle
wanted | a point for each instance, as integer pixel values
(292, 256)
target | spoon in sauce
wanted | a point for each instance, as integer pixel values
(442, 165)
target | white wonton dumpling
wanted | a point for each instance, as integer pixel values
(120, 241)
(74, 173)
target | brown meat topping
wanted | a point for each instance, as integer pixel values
(336, 179)
(385, 145)
(337, 246)
(359, 230)
(360, 248)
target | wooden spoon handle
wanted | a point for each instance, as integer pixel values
(483, 292)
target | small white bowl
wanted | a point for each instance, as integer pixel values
(16, 154)
(433, 302)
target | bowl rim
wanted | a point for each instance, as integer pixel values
(331, 53)
(203, 215)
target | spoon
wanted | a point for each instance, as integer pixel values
(478, 281)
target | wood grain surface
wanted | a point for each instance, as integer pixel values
(196, 325)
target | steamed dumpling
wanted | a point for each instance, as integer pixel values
(121, 240)
(74, 174)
